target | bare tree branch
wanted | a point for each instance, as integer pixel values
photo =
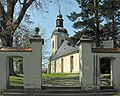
(22, 13)
(20, 2)
(10, 9)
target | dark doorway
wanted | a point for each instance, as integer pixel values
(105, 72)
(16, 80)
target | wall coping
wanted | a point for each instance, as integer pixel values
(105, 50)
(15, 49)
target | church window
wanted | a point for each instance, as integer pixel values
(71, 64)
(55, 67)
(58, 23)
(62, 65)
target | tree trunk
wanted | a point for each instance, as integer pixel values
(113, 32)
(11, 67)
(96, 23)
(7, 41)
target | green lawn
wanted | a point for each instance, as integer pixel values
(58, 74)
(18, 80)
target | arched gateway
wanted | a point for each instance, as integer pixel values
(32, 63)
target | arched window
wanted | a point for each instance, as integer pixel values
(71, 64)
(52, 44)
(62, 65)
(55, 67)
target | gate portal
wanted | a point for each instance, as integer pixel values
(32, 63)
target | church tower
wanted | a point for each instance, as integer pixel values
(59, 34)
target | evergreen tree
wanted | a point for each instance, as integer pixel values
(98, 19)
(112, 17)
(88, 19)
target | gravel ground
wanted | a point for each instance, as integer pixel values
(61, 81)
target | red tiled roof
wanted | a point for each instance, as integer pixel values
(15, 49)
(105, 50)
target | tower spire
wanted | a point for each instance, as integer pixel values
(59, 10)
(59, 21)
(59, 13)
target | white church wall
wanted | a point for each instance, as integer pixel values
(58, 66)
(56, 38)
(76, 68)
(66, 64)
(52, 66)
(54, 47)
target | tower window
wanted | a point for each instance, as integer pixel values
(62, 41)
(52, 44)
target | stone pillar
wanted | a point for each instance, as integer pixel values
(3, 73)
(35, 64)
(86, 64)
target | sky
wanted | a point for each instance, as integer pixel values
(47, 20)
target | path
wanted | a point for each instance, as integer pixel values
(61, 81)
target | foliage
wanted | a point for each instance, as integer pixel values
(112, 18)
(12, 13)
(18, 64)
(95, 20)
(13, 16)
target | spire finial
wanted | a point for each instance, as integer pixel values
(59, 10)
(59, 13)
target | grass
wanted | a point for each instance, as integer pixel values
(105, 79)
(58, 75)
(18, 80)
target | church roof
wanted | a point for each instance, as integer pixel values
(64, 49)
(60, 29)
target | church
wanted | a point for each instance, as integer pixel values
(93, 63)
(65, 54)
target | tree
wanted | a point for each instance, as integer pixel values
(12, 13)
(21, 39)
(88, 19)
(45, 52)
(91, 19)
(112, 17)
(9, 21)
